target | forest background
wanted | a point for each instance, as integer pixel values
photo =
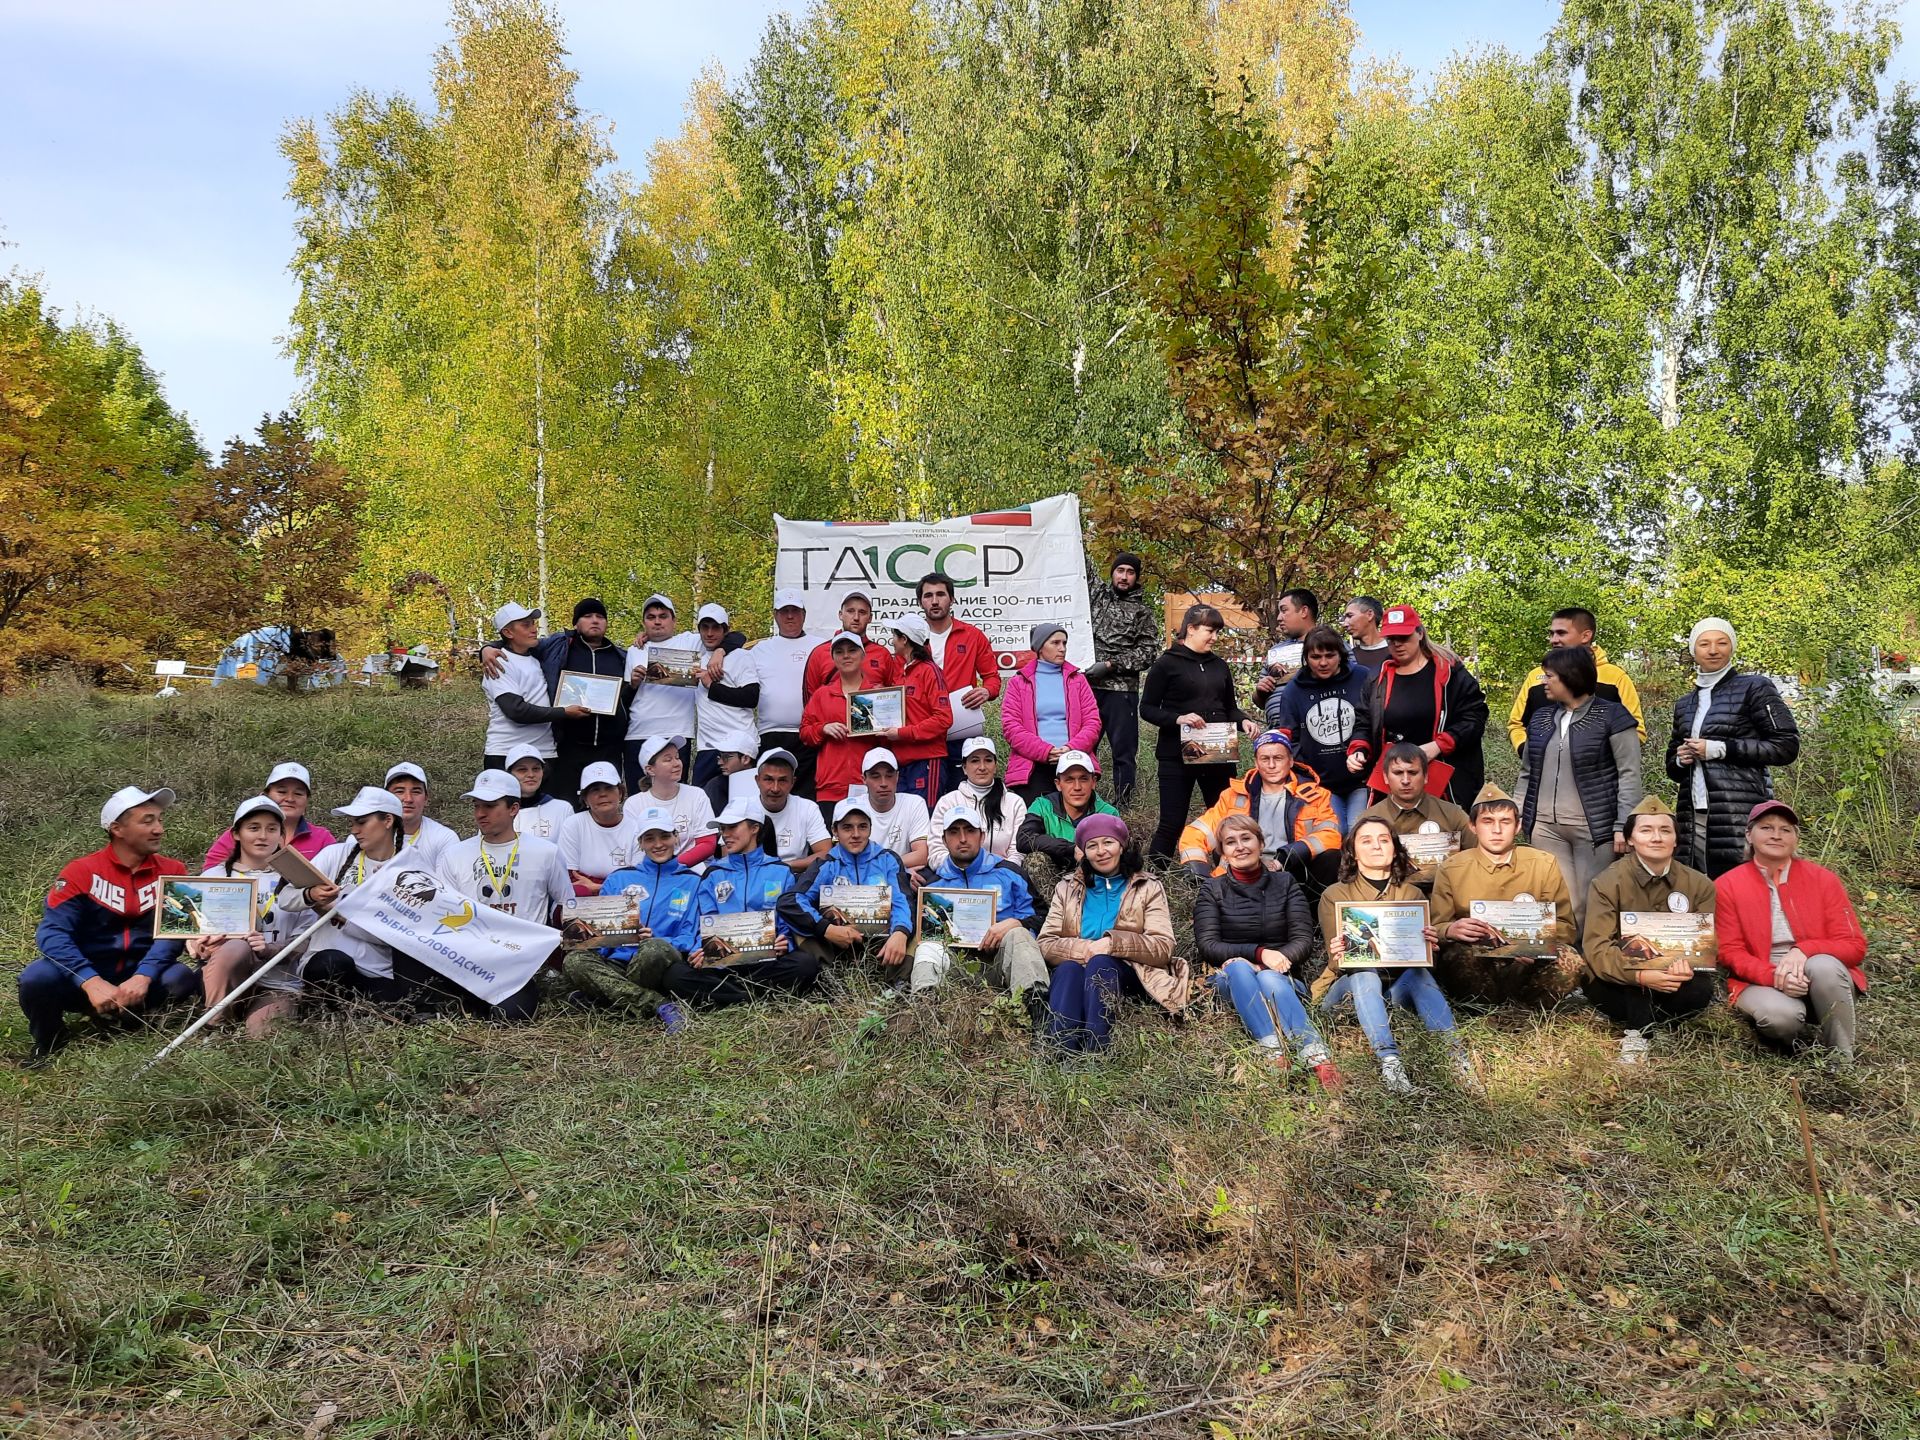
(1632, 322)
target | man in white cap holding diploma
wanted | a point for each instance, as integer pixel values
(98, 954)
(658, 708)
(780, 659)
(519, 700)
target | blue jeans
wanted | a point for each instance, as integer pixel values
(1254, 990)
(1081, 997)
(49, 993)
(1348, 808)
(1414, 990)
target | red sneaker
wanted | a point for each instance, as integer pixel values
(1329, 1076)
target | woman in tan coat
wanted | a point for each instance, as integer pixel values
(1108, 933)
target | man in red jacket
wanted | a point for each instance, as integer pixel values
(856, 613)
(966, 661)
(1790, 939)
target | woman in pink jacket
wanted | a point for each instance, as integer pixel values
(1046, 710)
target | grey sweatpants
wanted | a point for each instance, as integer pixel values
(1579, 859)
(1824, 1013)
(1015, 965)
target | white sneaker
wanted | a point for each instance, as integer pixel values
(1465, 1076)
(1393, 1075)
(1634, 1047)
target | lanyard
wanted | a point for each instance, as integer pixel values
(513, 856)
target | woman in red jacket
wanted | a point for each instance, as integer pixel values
(1789, 939)
(921, 744)
(823, 724)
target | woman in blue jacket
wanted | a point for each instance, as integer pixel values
(744, 879)
(829, 933)
(1320, 711)
(665, 897)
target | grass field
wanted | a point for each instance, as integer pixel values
(813, 1221)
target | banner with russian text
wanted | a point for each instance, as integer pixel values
(487, 952)
(1011, 570)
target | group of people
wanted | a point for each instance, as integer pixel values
(748, 792)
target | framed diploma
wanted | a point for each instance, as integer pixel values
(192, 906)
(1428, 848)
(1383, 935)
(1526, 927)
(736, 939)
(667, 666)
(872, 711)
(1210, 744)
(1662, 936)
(594, 922)
(951, 915)
(868, 908)
(599, 693)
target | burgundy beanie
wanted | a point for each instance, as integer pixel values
(1095, 826)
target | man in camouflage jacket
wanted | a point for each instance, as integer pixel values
(1126, 640)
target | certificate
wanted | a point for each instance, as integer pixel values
(189, 907)
(1427, 848)
(871, 711)
(734, 939)
(1661, 936)
(952, 915)
(1382, 934)
(1286, 655)
(599, 693)
(666, 666)
(868, 908)
(594, 922)
(1527, 926)
(1210, 744)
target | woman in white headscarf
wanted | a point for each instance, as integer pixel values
(1727, 730)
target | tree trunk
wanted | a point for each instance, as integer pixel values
(539, 440)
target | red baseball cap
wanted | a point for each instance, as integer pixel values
(1771, 807)
(1400, 620)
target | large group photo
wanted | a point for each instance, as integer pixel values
(1148, 725)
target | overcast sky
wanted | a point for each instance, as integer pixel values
(139, 176)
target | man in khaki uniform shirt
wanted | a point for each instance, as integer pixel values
(1409, 810)
(1467, 964)
(1631, 980)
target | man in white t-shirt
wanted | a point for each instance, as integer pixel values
(780, 659)
(425, 839)
(900, 822)
(725, 703)
(794, 830)
(658, 709)
(519, 711)
(501, 868)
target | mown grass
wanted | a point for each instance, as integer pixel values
(803, 1222)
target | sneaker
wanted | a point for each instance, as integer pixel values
(1465, 1076)
(1393, 1074)
(1038, 1006)
(1634, 1047)
(1330, 1077)
(674, 1017)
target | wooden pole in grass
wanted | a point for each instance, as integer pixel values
(1813, 1175)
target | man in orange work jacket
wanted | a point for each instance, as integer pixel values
(1295, 813)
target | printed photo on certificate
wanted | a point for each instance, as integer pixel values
(951, 915)
(735, 939)
(1526, 925)
(1383, 935)
(667, 666)
(868, 908)
(871, 711)
(191, 906)
(590, 922)
(599, 693)
(1664, 935)
(1210, 744)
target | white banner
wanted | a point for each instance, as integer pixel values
(1011, 570)
(486, 952)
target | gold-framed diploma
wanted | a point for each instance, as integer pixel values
(190, 907)
(599, 693)
(871, 711)
(1383, 934)
(956, 916)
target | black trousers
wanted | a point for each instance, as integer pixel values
(1120, 728)
(1634, 1007)
(1177, 779)
(1043, 779)
(563, 771)
(332, 976)
(714, 986)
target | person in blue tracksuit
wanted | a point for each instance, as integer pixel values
(1010, 957)
(665, 896)
(744, 879)
(829, 932)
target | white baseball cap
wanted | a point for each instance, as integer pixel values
(511, 611)
(289, 770)
(914, 627)
(258, 805)
(852, 805)
(1077, 757)
(133, 797)
(652, 746)
(658, 599)
(964, 815)
(492, 785)
(370, 800)
(524, 752)
(715, 613)
(979, 745)
(879, 755)
(778, 754)
(598, 773)
(738, 810)
(848, 636)
(406, 768)
(791, 597)
(656, 817)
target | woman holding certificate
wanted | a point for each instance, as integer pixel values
(1380, 951)
(1189, 695)
(259, 829)
(1254, 925)
(849, 714)
(919, 745)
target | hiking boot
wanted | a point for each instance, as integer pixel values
(673, 1017)
(1634, 1047)
(1393, 1075)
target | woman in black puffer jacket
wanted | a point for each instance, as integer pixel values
(1726, 731)
(1189, 685)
